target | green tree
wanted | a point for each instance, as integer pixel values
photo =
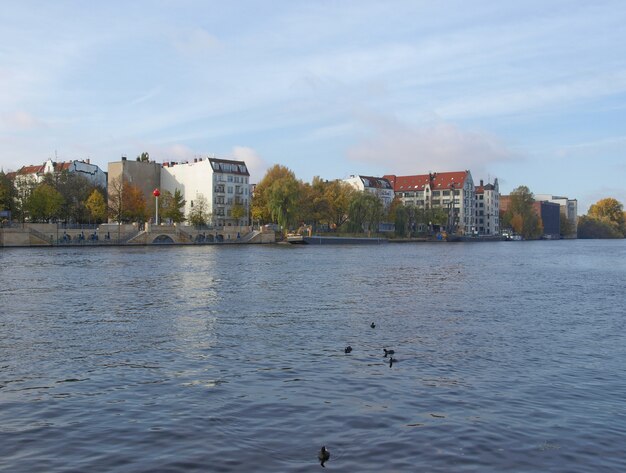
(172, 207)
(283, 196)
(75, 190)
(97, 206)
(590, 227)
(8, 194)
(145, 157)
(199, 213)
(401, 220)
(44, 203)
(260, 202)
(365, 213)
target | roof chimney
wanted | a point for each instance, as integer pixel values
(481, 183)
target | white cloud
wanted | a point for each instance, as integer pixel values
(257, 166)
(195, 42)
(403, 149)
(21, 120)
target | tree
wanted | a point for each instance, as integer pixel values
(260, 208)
(44, 203)
(400, 219)
(172, 207)
(610, 211)
(126, 202)
(199, 214)
(8, 193)
(134, 204)
(97, 207)
(338, 195)
(365, 212)
(566, 227)
(282, 200)
(145, 157)
(115, 203)
(589, 227)
(75, 190)
(521, 214)
(238, 212)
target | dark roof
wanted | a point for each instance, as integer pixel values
(229, 166)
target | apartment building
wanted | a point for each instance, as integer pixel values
(378, 186)
(453, 191)
(487, 210)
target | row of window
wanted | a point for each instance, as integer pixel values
(231, 178)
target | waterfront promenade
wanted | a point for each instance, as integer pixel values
(25, 235)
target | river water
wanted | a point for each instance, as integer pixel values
(510, 357)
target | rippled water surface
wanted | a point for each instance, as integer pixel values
(510, 357)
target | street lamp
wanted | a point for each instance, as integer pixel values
(156, 193)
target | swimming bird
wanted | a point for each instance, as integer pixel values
(392, 360)
(323, 456)
(348, 349)
(388, 352)
(373, 325)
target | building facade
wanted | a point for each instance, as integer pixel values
(569, 209)
(452, 191)
(379, 186)
(487, 210)
(223, 185)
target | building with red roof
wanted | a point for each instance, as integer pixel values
(453, 191)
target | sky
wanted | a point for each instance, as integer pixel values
(529, 92)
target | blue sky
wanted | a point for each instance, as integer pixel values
(530, 92)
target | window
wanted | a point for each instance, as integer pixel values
(230, 178)
(230, 189)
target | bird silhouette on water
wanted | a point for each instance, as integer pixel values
(348, 349)
(392, 360)
(373, 325)
(323, 456)
(388, 352)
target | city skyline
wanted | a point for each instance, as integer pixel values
(531, 93)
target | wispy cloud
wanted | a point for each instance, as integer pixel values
(404, 149)
(21, 120)
(257, 166)
(195, 42)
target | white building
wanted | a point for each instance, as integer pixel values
(487, 213)
(378, 186)
(224, 184)
(35, 174)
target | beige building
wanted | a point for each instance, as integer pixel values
(145, 175)
(487, 213)
(453, 191)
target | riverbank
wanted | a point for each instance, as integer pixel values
(41, 235)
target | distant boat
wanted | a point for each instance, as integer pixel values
(295, 239)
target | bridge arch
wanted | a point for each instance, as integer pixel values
(163, 240)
